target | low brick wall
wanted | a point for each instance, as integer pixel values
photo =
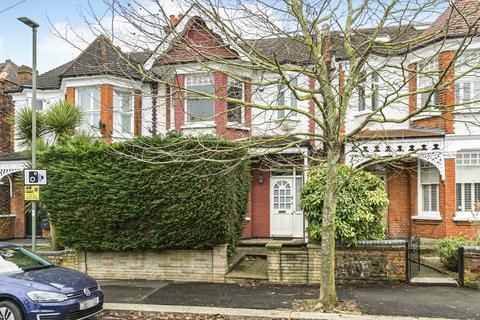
(175, 265)
(370, 262)
(7, 227)
(471, 267)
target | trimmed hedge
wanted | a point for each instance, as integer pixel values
(99, 197)
(361, 204)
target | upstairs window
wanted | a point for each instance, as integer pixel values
(235, 110)
(368, 92)
(467, 92)
(122, 112)
(285, 97)
(199, 108)
(427, 80)
(89, 101)
(39, 104)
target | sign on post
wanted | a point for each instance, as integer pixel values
(32, 193)
(35, 177)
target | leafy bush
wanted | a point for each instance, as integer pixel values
(101, 197)
(447, 249)
(361, 204)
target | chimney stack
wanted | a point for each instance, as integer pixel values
(24, 74)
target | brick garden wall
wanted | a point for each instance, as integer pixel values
(7, 227)
(380, 261)
(174, 265)
(471, 267)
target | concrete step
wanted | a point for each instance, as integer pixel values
(434, 281)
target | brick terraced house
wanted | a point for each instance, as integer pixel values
(432, 194)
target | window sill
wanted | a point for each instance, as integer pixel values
(199, 125)
(426, 115)
(466, 110)
(465, 219)
(237, 126)
(426, 217)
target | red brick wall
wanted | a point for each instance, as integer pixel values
(400, 206)
(137, 113)
(430, 122)
(248, 110)
(106, 112)
(5, 197)
(7, 228)
(18, 208)
(168, 115)
(6, 130)
(412, 87)
(447, 95)
(260, 204)
(154, 108)
(179, 102)
(220, 85)
(70, 95)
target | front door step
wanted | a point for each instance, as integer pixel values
(434, 281)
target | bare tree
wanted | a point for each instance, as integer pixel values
(331, 57)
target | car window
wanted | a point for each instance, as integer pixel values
(15, 260)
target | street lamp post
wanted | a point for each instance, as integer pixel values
(32, 24)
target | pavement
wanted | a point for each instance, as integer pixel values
(401, 300)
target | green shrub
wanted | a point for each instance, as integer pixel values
(100, 197)
(361, 204)
(447, 249)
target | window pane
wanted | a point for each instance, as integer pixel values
(466, 92)
(126, 123)
(361, 98)
(434, 197)
(96, 99)
(425, 197)
(459, 197)
(298, 189)
(39, 105)
(84, 99)
(200, 109)
(467, 193)
(234, 113)
(477, 197)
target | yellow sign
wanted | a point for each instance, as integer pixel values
(32, 193)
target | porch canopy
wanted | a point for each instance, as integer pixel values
(426, 145)
(11, 163)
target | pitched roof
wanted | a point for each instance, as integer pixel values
(101, 57)
(461, 18)
(51, 79)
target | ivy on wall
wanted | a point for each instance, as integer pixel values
(149, 193)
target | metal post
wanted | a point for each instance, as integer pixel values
(34, 131)
(32, 24)
(461, 265)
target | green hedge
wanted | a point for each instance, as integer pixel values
(99, 197)
(361, 204)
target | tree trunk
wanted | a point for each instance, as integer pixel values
(328, 293)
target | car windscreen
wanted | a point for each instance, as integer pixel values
(15, 260)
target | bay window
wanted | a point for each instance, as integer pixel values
(368, 92)
(122, 112)
(467, 87)
(429, 179)
(199, 108)
(285, 97)
(468, 184)
(89, 101)
(234, 110)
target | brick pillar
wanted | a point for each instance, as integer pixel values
(137, 113)
(311, 111)
(220, 84)
(168, 115)
(6, 129)
(106, 112)
(449, 198)
(70, 95)
(447, 95)
(154, 87)
(17, 207)
(179, 101)
(412, 87)
(274, 260)
(248, 110)
(220, 262)
(314, 263)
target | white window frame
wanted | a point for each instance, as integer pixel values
(87, 123)
(434, 214)
(469, 159)
(241, 84)
(289, 99)
(426, 81)
(371, 91)
(197, 76)
(117, 111)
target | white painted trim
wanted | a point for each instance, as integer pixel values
(466, 219)
(434, 218)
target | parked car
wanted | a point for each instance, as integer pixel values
(32, 288)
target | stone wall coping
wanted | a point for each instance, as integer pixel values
(56, 253)
(7, 216)
(471, 249)
(273, 245)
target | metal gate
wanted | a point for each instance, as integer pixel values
(413, 257)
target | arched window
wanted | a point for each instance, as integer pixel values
(282, 195)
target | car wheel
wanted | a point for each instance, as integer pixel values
(10, 311)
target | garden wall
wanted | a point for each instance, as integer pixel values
(7, 227)
(471, 267)
(175, 265)
(369, 262)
